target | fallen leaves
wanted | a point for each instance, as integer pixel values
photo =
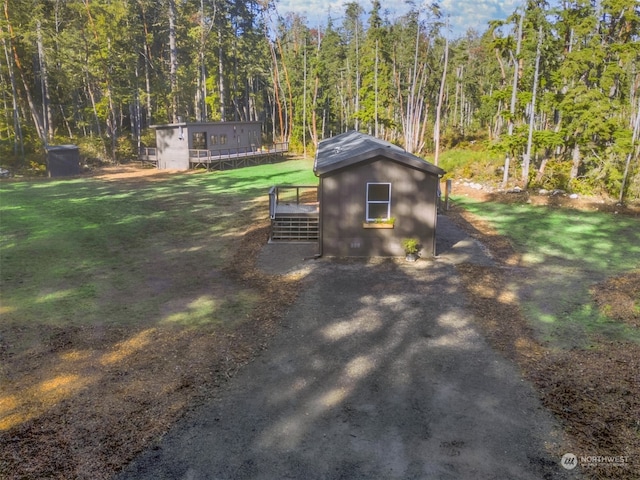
(619, 298)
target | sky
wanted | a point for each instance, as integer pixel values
(463, 14)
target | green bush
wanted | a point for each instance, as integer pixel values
(556, 176)
(474, 164)
(148, 137)
(126, 149)
(92, 150)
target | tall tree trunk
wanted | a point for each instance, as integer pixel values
(514, 94)
(66, 122)
(136, 124)
(532, 117)
(148, 56)
(436, 128)
(542, 167)
(92, 97)
(18, 143)
(221, 87)
(44, 86)
(633, 152)
(290, 120)
(201, 94)
(173, 61)
(376, 133)
(304, 100)
(32, 107)
(276, 91)
(575, 161)
(314, 119)
(413, 114)
(357, 99)
(37, 120)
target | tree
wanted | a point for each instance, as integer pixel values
(436, 128)
(374, 92)
(526, 161)
(353, 28)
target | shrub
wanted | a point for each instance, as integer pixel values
(126, 149)
(148, 137)
(411, 245)
(92, 150)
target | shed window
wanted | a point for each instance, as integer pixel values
(378, 201)
(199, 140)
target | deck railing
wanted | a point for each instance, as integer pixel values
(294, 213)
(235, 157)
(291, 195)
(148, 155)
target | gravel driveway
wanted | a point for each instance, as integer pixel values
(376, 373)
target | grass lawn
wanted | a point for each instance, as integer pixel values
(79, 251)
(126, 297)
(563, 302)
(572, 251)
(124, 289)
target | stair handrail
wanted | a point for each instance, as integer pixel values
(274, 195)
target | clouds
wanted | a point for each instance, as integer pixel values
(466, 14)
(463, 14)
(315, 11)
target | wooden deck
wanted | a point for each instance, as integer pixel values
(236, 157)
(148, 156)
(222, 159)
(305, 209)
(294, 213)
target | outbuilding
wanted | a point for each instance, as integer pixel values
(63, 160)
(372, 195)
(180, 145)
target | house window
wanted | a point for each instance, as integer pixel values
(223, 139)
(199, 140)
(214, 139)
(378, 201)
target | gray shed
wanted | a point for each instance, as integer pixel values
(372, 195)
(63, 160)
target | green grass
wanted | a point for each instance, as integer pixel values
(587, 240)
(471, 164)
(570, 251)
(90, 251)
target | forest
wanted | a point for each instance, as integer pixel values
(553, 91)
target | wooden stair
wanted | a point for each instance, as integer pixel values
(294, 229)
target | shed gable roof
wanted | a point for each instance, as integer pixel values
(351, 148)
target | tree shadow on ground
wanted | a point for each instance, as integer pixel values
(378, 372)
(118, 315)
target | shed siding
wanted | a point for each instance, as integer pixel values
(413, 205)
(240, 135)
(173, 151)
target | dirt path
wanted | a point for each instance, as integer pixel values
(377, 372)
